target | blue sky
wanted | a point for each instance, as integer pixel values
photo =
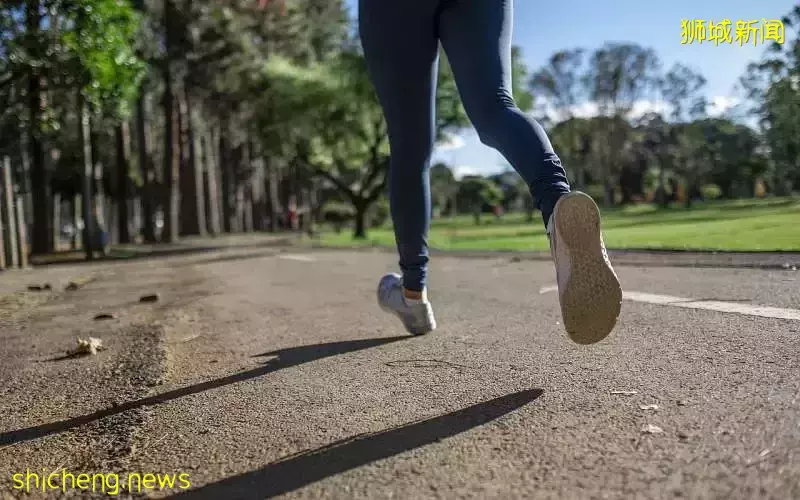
(541, 29)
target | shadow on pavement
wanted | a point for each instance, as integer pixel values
(229, 258)
(286, 358)
(144, 252)
(296, 471)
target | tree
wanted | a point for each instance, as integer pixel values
(106, 76)
(620, 75)
(443, 186)
(773, 86)
(475, 192)
(562, 84)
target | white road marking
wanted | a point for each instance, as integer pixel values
(302, 258)
(709, 305)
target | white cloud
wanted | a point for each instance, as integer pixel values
(460, 171)
(719, 104)
(452, 143)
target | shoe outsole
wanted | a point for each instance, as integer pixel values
(409, 329)
(592, 297)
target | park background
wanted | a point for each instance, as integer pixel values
(167, 121)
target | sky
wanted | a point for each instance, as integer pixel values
(542, 28)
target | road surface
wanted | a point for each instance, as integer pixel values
(270, 373)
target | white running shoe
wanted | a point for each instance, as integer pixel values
(589, 290)
(417, 316)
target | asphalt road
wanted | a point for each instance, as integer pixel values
(268, 373)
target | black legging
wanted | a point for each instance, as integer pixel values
(401, 41)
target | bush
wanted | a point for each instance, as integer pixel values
(337, 214)
(597, 192)
(378, 213)
(711, 192)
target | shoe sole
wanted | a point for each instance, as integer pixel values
(592, 297)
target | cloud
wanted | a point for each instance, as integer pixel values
(720, 104)
(460, 171)
(452, 143)
(717, 105)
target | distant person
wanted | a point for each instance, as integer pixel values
(401, 39)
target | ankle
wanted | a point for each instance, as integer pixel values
(414, 295)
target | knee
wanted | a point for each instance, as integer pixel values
(488, 114)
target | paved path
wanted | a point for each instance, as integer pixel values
(271, 373)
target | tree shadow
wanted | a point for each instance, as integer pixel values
(286, 358)
(229, 258)
(146, 252)
(299, 470)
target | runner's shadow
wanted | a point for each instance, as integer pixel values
(296, 471)
(286, 358)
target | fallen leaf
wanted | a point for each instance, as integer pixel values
(624, 393)
(652, 429)
(648, 407)
(87, 346)
(153, 297)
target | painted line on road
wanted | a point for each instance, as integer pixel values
(709, 305)
(302, 258)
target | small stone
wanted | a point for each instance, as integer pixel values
(648, 407)
(624, 393)
(153, 297)
(652, 429)
(683, 402)
(72, 286)
(103, 316)
(683, 436)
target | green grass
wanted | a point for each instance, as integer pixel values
(754, 225)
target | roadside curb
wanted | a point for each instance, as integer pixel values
(785, 261)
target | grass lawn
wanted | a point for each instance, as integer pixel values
(755, 225)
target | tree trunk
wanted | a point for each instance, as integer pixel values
(274, 197)
(123, 181)
(171, 137)
(212, 189)
(22, 239)
(608, 193)
(56, 237)
(40, 181)
(9, 216)
(86, 195)
(171, 165)
(191, 184)
(196, 168)
(26, 177)
(360, 232)
(581, 178)
(226, 169)
(313, 210)
(248, 208)
(148, 176)
(98, 195)
(76, 217)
